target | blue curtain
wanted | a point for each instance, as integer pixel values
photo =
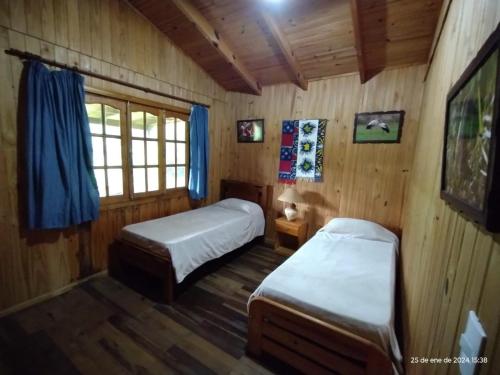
(61, 185)
(198, 152)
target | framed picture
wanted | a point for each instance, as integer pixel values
(378, 127)
(250, 131)
(470, 180)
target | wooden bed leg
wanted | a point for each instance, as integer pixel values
(255, 321)
(115, 268)
(378, 365)
(168, 287)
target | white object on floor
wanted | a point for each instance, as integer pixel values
(194, 237)
(472, 343)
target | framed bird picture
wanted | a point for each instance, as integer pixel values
(470, 180)
(378, 127)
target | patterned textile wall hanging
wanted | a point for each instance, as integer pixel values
(301, 153)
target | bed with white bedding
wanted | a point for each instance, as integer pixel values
(195, 237)
(172, 247)
(344, 276)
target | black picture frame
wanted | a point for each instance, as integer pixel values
(379, 134)
(257, 131)
(484, 208)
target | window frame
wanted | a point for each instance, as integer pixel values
(186, 141)
(122, 106)
(134, 107)
(127, 104)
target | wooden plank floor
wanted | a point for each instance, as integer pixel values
(103, 327)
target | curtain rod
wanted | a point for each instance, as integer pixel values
(31, 56)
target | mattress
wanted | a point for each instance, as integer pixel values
(195, 237)
(346, 281)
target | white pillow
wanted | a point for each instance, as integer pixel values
(240, 205)
(358, 228)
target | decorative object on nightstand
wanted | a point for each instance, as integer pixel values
(290, 235)
(292, 196)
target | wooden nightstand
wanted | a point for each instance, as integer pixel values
(291, 235)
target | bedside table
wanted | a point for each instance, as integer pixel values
(291, 235)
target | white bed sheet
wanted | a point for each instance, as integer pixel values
(346, 281)
(194, 237)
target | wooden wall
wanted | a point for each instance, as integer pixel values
(109, 37)
(360, 180)
(450, 266)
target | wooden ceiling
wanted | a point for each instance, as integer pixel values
(245, 44)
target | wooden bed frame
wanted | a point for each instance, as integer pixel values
(156, 262)
(310, 344)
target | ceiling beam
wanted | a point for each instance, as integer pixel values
(210, 34)
(285, 49)
(358, 40)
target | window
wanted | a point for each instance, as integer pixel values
(145, 151)
(175, 152)
(106, 126)
(138, 150)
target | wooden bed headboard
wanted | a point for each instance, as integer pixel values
(260, 194)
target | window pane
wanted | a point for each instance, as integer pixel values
(153, 180)
(181, 130)
(101, 181)
(152, 152)
(115, 181)
(94, 114)
(169, 128)
(138, 124)
(181, 153)
(170, 177)
(151, 126)
(97, 152)
(137, 152)
(181, 176)
(170, 153)
(112, 120)
(113, 152)
(139, 176)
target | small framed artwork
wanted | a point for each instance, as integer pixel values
(470, 180)
(378, 127)
(250, 131)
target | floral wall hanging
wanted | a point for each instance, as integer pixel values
(301, 152)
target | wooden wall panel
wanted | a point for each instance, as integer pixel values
(109, 37)
(360, 180)
(450, 266)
